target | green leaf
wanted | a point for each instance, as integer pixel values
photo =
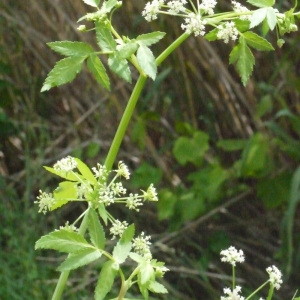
(104, 37)
(271, 17)
(146, 61)
(274, 191)
(126, 50)
(232, 145)
(123, 247)
(261, 3)
(108, 5)
(95, 65)
(93, 3)
(156, 287)
(191, 149)
(79, 259)
(103, 213)
(150, 38)
(166, 204)
(212, 35)
(242, 55)
(69, 175)
(63, 72)
(120, 67)
(65, 192)
(85, 171)
(257, 42)
(96, 230)
(256, 159)
(68, 48)
(258, 16)
(242, 25)
(147, 272)
(63, 240)
(105, 280)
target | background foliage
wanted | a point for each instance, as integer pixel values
(225, 157)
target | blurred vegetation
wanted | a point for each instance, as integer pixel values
(225, 158)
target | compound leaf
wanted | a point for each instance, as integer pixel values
(95, 65)
(105, 280)
(150, 38)
(242, 55)
(257, 42)
(96, 230)
(63, 72)
(146, 61)
(63, 240)
(79, 259)
(68, 48)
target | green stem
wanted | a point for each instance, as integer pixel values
(258, 289)
(64, 275)
(114, 148)
(127, 115)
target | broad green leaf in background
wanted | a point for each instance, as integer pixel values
(95, 65)
(68, 48)
(104, 37)
(261, 3)
(144, 175)
(256, 158)
(85, 171)
(105, 280)
(191, 149)
(257, 42)
(63, 72)
(232, 144)
(96, 230)
(244, 59)
(166, 204)
(65, 192)
(146, 61)
(67, 175)
(274, 191)
(79, 259)
(120, 67)
(93, 3)
(138, 133)
(150, 38)
(64, 241)
(123, 247)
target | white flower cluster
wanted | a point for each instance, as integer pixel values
(66, 164)
(118, 228)
(152, 9)
(208, 6)
(45, 201)
(227, 31)
(232, 256)
(233, 294)
(176, 6)
(239, 8)
(194, 24)
(141, 245)
(69, 227)
(193, 20)
(100, 192)
(275, 276)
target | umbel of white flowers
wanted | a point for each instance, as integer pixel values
(234, 256)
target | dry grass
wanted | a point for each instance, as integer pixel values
(200, 86)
